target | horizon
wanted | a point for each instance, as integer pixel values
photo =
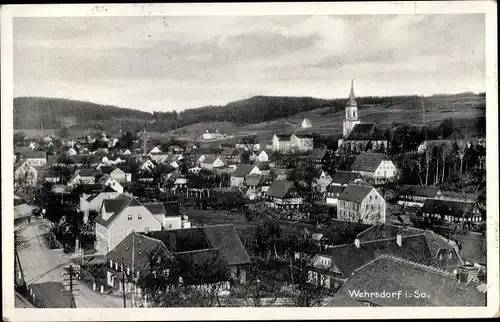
(166, 63)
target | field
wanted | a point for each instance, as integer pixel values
(325, 122)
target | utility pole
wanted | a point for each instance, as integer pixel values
(123, 286)
(133, 268)
(70, 273)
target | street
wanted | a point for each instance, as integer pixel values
(41, 264)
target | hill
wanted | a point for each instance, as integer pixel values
(57, 112)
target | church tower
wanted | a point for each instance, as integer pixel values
(351, 112)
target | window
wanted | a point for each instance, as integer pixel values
(110, 263)
(450, 255)
(129, 217)
(440, 256)
(139, 216)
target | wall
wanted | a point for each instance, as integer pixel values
(172, 222)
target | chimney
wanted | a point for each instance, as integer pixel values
(357, 243)
(399, 240)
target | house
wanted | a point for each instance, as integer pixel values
(36, 158)
(265, 184)
(253, 184)
(139, 253)
(319, 157)
(92, 200)
(321, 181)
(71, 151)
(147, 165)
(160, 157)
(282, 143)
(195, 170)
(168, 214)
(154, 150)
(405, 281)
(231, 155)
(429, 145)
(262, 156)
(451, 211)
(212, 135)
(374, 166)
(361, 203)
(241, 172)
(25, 175)
(108, 181)
(117, 173)
(415, 196)
(210, 162)
(222, 241)
(343, 178)
(445, 254)
(305, 123)
(118, 218)
(82, 176)
(283, 194)
(112, 160)
(302, 142)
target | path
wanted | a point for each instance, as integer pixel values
(41, 264)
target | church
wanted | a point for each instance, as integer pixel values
(358, 136)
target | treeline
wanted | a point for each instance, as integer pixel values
(30, 111)
(261, 109)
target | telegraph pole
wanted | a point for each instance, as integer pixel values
(123, 285)
(70, 272)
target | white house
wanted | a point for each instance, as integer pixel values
(92, 201)
(306, 123)
(207, 135)
(118, 218)
(71, 151)
(147, 165)
(263, 156)
(82, 176)
(108, 181)
(210, 162)
(116, 173)
(361, 203)
(36, 158)
(241, 172)
(376, 166)
(155, 150)
(296, 142)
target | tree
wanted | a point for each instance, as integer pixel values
(126, 141)
(19, 138)
(25, 180)
(63, 132)
(267, 234)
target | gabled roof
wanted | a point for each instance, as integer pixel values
(210, 159)
(172, 209)
(355, 193)
(242, 170)
(156, 208)
(344, 177)
(420, 191)
(204, 266)
(145, 247)
(279, 188)
(283, 137)
(392, 274)
(116, 206)
(253, 180)
(228, 151)
(318, 153)
(335, 189)
(348, 257)
(226, 239)
(86, 172)
(368, 161)
(109, 169)
(365, 132)
(448, 207)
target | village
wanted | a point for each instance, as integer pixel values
(121, 220)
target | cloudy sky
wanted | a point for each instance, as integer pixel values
(172, 63)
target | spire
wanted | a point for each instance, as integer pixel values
(352, 99)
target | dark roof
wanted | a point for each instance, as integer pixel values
(447, 207)
(226, 239)
(116, 206)
(209, 159)
(145, 247)
(242, 170)
(182, 240)
(156, 208)
(203, 266)
(172, 208)
(86, 172)
(335, 189)
(303, 135)
(318, 153)
(228, 151)
(348, 257)
(390, 274)
(473, 248)
(429, 192)
(90, 188)
(36, 155)
(279, 188)
(283, 137)
(51, 159)
(365, 132)
(345, 177)
(107, 169)
(355, 193)
(368, 161)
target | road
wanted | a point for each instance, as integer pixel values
(41, 265)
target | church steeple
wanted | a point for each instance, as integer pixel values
(352, 99)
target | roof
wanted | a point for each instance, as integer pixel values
(86, 172)
(421, 191)
(182, 240)
(318, 153)
(242, 170)
(279, 188)
(172, 208)
(303, 135)
(226, 239)
(116, 206)
(345, 177)
(368, 161)
(447, 207)
(107, 169)
(156, 208)
(36, 155)
(355, 193)
(145, 247)
(395, 274)
(210, 159)
(228, 151)
(335, 189)
(365, 132)
(205, 266)
(348, 257)
(351, 101)
(283, 137)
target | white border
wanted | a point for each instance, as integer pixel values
(487, 7)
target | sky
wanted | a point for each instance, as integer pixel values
(156, 63)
